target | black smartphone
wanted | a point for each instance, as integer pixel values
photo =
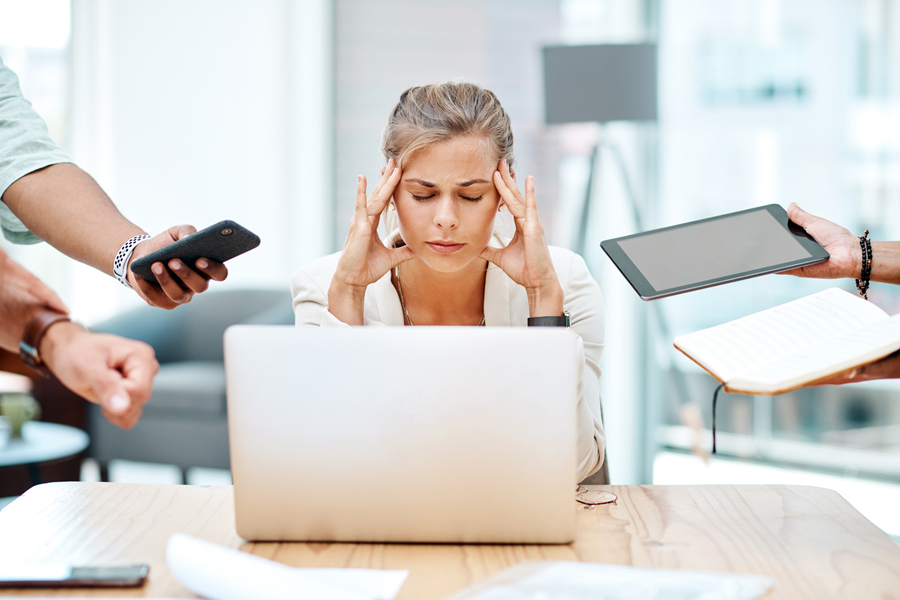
(68, 576)
(219, 242)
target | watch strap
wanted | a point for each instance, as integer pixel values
(34, 333)
(556, 321)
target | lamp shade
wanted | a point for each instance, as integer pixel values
(600, 83)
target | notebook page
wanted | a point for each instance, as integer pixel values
(744, 344)
(856, 347)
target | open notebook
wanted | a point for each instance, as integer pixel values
(794, 345)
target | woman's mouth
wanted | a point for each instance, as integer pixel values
(444, 247)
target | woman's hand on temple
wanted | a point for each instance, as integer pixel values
(843, 246)
(365, 258)
(527, 258)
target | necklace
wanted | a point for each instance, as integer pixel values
(406, 319)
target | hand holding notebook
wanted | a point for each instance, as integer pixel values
(804, 342)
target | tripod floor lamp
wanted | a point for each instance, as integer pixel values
(602, 83)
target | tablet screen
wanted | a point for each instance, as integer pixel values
(712, 251)
(733, 244)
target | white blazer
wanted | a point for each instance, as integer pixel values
(505, 304)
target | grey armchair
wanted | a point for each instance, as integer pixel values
(184, 423)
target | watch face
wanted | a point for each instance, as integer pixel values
(30, 357)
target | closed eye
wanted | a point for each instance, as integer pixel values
(422, 198)
(472, 199)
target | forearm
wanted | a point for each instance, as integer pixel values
(64, 206)
(546, 302)
(885, 262)
(347, 303)
(22, 295)
(16, 317)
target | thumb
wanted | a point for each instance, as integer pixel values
(111, 393)
(181, 231)
(798, 215)
(491, 254)
(401, 255)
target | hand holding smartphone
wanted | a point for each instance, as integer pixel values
(220, 242)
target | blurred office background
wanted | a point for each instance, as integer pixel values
(263, 111)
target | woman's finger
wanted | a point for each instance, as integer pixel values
(510, 181)
(530, 199)
(515, 207)
(360, 198)
(385, 175)
(379, 201)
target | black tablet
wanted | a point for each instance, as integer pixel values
(713, 251)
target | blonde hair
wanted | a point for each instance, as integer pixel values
(428, 114)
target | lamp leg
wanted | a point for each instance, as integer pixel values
(581, 237)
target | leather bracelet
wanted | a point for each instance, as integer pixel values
(558, 321)
(31, 339)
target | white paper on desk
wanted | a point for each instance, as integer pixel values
(587, 581)
(221, 573)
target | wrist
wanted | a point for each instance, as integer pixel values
(546, 301)
(124, 256)
(886, 262)
(347, 302)
(58, 335)
(43, 333)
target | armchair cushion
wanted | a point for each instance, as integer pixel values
(189, 386)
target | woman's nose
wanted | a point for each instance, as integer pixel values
(445, 216)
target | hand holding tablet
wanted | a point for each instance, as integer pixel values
(713, 251)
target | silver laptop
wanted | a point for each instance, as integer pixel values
(399, 434)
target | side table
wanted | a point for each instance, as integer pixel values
(40, 443)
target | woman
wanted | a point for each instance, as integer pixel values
(449, 173)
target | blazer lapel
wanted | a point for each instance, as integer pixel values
(496, 297)
(383, 303)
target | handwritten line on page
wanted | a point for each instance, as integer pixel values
(221, 573)
(586, 581)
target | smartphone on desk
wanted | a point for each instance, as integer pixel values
(69, 576)
(220, 242)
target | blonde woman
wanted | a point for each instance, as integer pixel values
(449, 152)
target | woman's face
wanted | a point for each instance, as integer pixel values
(446, 202)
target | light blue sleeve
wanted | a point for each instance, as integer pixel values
(25, 146)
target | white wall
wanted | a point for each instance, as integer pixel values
(193, 112)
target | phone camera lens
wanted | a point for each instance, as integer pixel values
(227, 231)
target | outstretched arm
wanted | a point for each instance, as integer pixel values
(64, 206)
(114, 372)
(846, 254)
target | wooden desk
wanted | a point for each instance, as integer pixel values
(808, 540)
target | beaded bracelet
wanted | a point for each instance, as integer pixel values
(862, 284)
